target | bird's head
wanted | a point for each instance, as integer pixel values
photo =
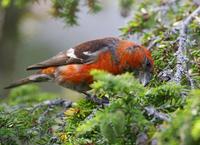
(136, 58)
(145, 73)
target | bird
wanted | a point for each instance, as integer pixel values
(71, 68)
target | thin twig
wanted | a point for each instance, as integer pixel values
(190, 79)
(50, 104)
(142, 139)
(180, 54)
(100, 101)
(151, 111)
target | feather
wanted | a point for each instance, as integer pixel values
(83, 53)
(29, 79)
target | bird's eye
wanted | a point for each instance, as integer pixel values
(148, 63)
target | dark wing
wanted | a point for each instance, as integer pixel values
(86, 52)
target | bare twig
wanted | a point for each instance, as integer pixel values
(190, 79)
(152, 43)
(50, 104)
(142, 139)
(100, 101)
(151, 111)
(180, 54)
(165, 75)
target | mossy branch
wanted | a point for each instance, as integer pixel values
(180, 54)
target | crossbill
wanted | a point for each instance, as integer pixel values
(71, 67)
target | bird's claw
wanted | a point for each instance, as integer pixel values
(100, 101)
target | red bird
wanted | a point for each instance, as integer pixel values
(71, 68)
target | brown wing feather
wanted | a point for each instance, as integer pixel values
(94, 46)
(83, 53)
(59, 59)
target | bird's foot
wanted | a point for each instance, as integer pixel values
(100, 101)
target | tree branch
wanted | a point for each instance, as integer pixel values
(151, 111)
(50, 104)
(180, 54)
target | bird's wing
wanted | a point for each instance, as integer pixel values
(86, 52)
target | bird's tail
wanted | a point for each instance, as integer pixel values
(30, 79)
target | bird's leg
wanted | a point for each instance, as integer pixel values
(95, 99)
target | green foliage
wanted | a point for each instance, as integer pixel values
(94, 6)
(20, 126)
(167, 97)
(74, 116)
(112, 128)
(122, 122)
(108, 122)
(66, 9)
(126, 6)
(124, 119)
(124, 84)
(157, 25)
(184, 125)
(28, 122)
(28, 94)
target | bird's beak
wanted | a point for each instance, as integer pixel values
(144, 77)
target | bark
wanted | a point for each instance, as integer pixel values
(9, 39)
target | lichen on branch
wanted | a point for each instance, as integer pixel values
(181, 66)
